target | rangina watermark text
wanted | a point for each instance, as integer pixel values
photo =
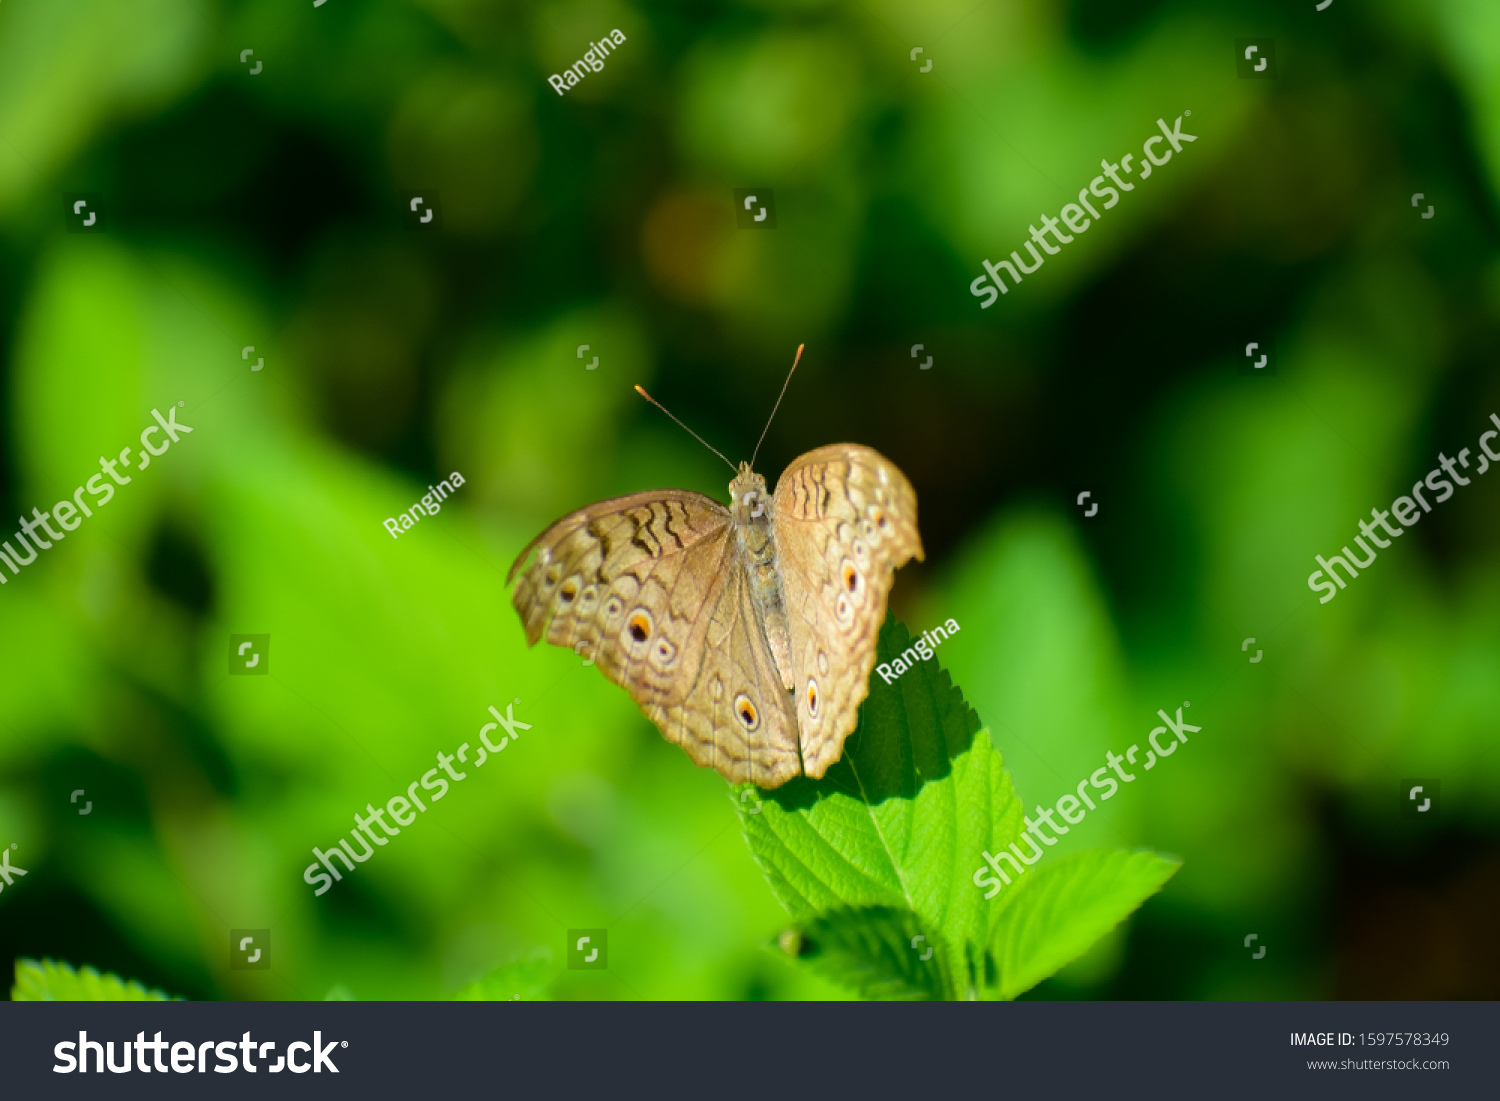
(592, 60)
(430, 505)
(922, 647)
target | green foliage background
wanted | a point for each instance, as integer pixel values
(265, 210)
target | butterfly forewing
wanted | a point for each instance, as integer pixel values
(845, 520)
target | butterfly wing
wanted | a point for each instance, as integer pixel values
(649, 587)
(845, 520)
(738, 719)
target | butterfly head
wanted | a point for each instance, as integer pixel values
(747, 494)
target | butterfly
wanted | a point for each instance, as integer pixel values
(746, 634)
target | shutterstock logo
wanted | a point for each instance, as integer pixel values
(588, 949)
(755, 208)
(250, 949)
(189, 1058)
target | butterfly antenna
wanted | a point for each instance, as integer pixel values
(685, 428)
(772, 417)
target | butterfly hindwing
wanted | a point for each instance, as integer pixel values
(737, 719)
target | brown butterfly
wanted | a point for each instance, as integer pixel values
(746, 634)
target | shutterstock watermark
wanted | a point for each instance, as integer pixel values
(1072, 215)
(1072, 807)
(66, 512)
(187, 1057)
(404, 809)
(1406, 513)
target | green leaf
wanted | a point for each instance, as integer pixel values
(523, 979)
(876, 951)
(901, 820)
(50, 981)
(886, 847)
(1055, 914)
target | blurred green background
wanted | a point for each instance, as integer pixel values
(268, 210)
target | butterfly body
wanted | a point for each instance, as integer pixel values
(750, 511)
(747, 633)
